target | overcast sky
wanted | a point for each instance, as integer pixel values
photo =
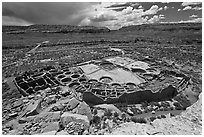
(112, 15)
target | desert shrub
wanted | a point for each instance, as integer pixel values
(95, 111)
(152, 118)
(158, 117)
(123, 116)
(178, 108)
(144, 104)
(96, 120)
(115, 114)
(176, 104)
(171, 114)
(172, 108)
(108, 113)
(139, 120)
(163, 116)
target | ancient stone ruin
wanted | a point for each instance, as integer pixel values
(110, 80)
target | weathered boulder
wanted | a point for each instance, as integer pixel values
(57, 107)
(47, 117)
(84, 109)
(14, 114)
(22, 120)
(17, 103)
(65, 91)
(34, 108)
(62, 133)
(48, 133)
(68, 117)
(100, 113)
(51, 99)
(73, 103)
(53, 126)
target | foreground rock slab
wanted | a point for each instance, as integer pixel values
(68, 117)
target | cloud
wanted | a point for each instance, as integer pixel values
(153, 10)
(190, 3)
(193, 16)
(197, 8)
(155, 19)
(102, 17)
(6, 20)
(110, 14)
(179, 10)
(116, 19)
(46, 12)
(187, 8)
(197, 20)
(192, 8)
(127, 10)
(161, 16)
(140, 7)
(121, 4)
(165, 7)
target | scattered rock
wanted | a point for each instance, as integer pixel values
(51, 99)
(62, 133)
(22, 120)
(47, 116)
(31, 96)
(57, 107)
(17, 103)
(110, 107)
(65, 91)
(53, 126)
(12, 115)
(49, 133)
(86, 132)
(100, 113)
(130, 112)
(73, 103)
(68, 117)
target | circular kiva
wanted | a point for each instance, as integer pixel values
(148, 76)
(60, 76)
(93, 81)
(106, 79)
(82, 80)
(75, 76)
(65, 69)
(151, 70)
(66, 80)
(106, 63)
(116, 85)
(131, 85)
(53, 71)
(74, 84)
(136, 69)
(67, 73)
